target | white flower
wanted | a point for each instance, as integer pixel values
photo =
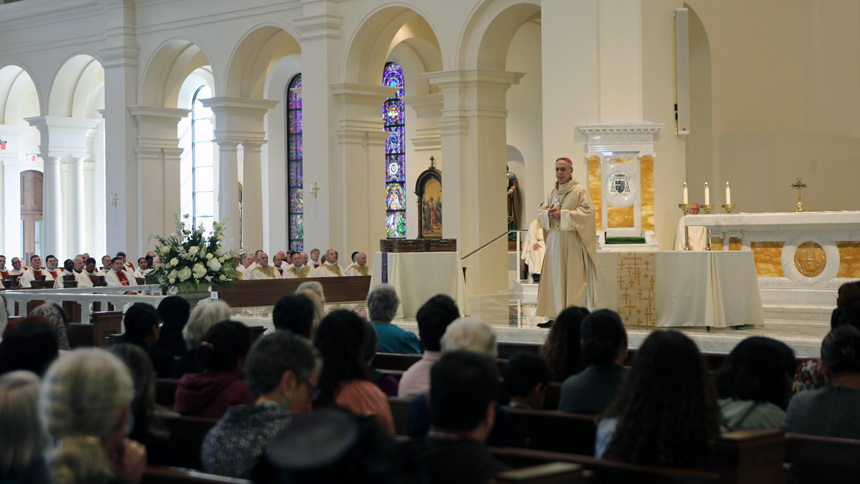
(199, 270)
(174, 262)
(171, 280)
(214, 265)
(193, 250)
(209, 256)
(220, 237)
(222, 277)
(173, 274)
(184, 274)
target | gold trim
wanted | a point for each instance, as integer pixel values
(594, 189)
(849, 259)
(620, 218)
(768, 258)
(735, 243)
(646, 180)
(810, 259)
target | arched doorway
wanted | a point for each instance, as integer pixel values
(31, 213)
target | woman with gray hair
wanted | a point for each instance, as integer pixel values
(382, 304)
(21, 436)
(283, 371)
(202, 318)
(84, 406)
(57, 317)
(470, 334)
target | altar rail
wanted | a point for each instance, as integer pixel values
(16, 300)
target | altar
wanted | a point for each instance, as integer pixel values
(418, 276)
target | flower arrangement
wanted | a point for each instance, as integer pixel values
(190, 259)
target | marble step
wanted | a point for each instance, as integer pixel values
(797, 313)
(798, 297)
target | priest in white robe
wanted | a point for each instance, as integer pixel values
(282, 264)
(262, 270)
(534, 248)
(299, 268)
(85, 278)
(698, 233)
(117, 276)
(34, 270)
(568, 276)
(329, 268)
(359, 266)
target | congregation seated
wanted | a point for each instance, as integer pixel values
(283, 371)
(754, 383)
(387, 383)
(665, 412)
(382, 304)
(433, 318)
(146, 427)
(221, 355)
(477, 336)
(84, 408)
(204, 316)
(57, 317)
(142, 329)
(562, 348)
(344, 380)
(463, 389)
(174, 312)
(831, 411)
(21, 436)
(604, 349)
(316, 300)
(526, 377)
(295, 313)
(28, 345)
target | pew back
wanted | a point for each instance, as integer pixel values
(186, 437)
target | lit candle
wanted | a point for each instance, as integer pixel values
(707, 194)
(686, 195)
(728, 194)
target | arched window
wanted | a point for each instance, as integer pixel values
(394, 116)
(295, 176)
(202, 160)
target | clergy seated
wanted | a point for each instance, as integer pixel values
(698, 234)
(329, 268)
(31, 274)
(299, 267)
(117, 276)
(87, 277)
(262, 270)
(359, 265)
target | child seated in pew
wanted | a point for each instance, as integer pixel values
(754, 384)
(666, 409)
(563, 346)
(526, 378)
(831, 411)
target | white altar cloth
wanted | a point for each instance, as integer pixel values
(716, 289)
(418, 276)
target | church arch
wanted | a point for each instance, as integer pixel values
(699, 144)
(19, 97)
(78, 88)
(489, 31)
(252, 62)
(167, 71)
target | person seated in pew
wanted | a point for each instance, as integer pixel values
(57, 317)
(359, 265)
(52, 266)
(3, 272)
(21, 436)
(526, 378)
(142, 328)
(29, 345)
(298, 268)
(433, 319)
(382, 304)
(466, 334)
(262, 270)
(146, 428)
(665, 412)
(463, 389)
(204, 316)
(85, 409)
(754, 384)
(86, 277)
(604, 349)
(344, 380)
(562, 348)
(295, 313)
(283, 371)
(35, 270)
(329, 267)
(387, 383)
(174, 312)
(221, 355)
(831, 411)
(118, 275)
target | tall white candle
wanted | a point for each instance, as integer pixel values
(728, 194)
(707, 194)
(686, 195)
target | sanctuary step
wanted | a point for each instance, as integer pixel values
(797, 313)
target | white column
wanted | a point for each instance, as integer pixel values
(75, 214)
(252, 197)
(88, 221)
(10, 242)
(52, 206)
(228, 191)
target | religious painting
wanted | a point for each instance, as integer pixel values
(429, 191)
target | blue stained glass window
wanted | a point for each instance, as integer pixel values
(295, 171)
(394, 119)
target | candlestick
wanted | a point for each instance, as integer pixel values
(685, 207)
(686, 194)
(707, 194)
(728, 194)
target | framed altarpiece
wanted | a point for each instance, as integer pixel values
(428, 188)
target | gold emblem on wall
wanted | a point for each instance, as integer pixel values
(810, 259)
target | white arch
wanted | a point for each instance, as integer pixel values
(167, 70)
(73, 87)
(19, 98)
(251, 62)
(488, 33)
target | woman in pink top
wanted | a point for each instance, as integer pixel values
(344, 379)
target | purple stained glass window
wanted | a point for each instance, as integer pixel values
(394, 119)
(295, 170)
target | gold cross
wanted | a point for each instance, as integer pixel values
(114, 199)
(315, 189)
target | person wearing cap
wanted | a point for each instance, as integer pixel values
(568, 275)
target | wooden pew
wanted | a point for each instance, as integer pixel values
(400, 412)
(555, 431)
(96, 333)
(186, 437)
(165, 391)
(810, 458)
(551, 473)
(267, 293)
(179, 475)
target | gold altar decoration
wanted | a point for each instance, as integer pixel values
(637, 304)
(810, 259)
(799, 185)
(685, 207)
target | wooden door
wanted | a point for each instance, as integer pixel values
(31, 213)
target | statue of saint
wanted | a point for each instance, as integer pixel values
(513, 203)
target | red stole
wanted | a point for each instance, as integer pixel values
(122, 278)
(90, 276)
(281, 272)
(37, 273)
(4, 274)
(53, 274)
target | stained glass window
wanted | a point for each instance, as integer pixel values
(202, 160)
(394, 117)
(295, 172)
